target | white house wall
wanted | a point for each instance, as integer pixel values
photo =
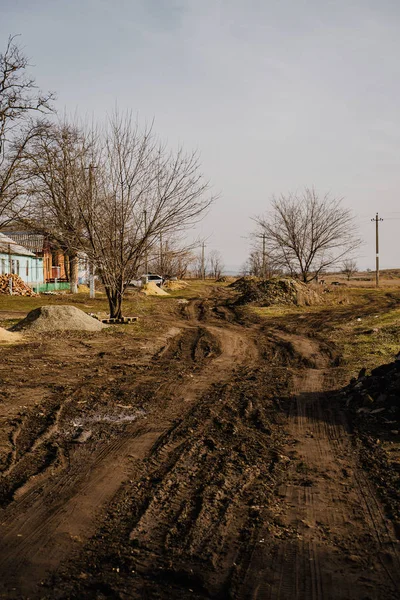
(29, 268)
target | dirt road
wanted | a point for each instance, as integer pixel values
(213, 464)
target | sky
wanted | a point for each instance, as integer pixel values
(275, 95)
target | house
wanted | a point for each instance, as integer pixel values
(55, 261)
(15, 258)
(53, 258)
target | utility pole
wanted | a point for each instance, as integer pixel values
(263, 255)
(146, 256)
(377, 219)
(92, 293)
(161, 256)
(203, 266)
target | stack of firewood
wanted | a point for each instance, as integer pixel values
(19, 287)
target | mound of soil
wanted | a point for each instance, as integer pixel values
(374, 405)
(375, 399)
(58, 318)
(152, 289)
(8, 337)
(173, 285)
(266, 292)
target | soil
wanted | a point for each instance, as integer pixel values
(214, 460)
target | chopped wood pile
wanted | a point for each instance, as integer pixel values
(19, 287)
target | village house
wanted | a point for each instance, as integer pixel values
(15, 258)
(55, 262)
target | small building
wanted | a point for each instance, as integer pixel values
(16, 259)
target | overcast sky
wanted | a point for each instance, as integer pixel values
(275, 94)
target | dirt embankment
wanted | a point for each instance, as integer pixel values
(220, 466)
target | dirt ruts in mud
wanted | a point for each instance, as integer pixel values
(222, 466)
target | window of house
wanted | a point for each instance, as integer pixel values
(3, 266)
(27, 267)
(17, 267)
(12, 265)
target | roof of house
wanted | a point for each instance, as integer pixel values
(8, 244)
(29, 239)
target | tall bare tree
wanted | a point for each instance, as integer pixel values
(138, 191)
(19, 99)
(56, 159)
(306, 233)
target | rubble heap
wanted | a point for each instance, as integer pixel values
(266, 292)
(19, 287)
(375, 399)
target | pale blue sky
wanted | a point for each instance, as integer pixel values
(274, 94)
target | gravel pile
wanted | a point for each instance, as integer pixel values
(58, 318)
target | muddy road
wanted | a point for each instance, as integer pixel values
(214, 461)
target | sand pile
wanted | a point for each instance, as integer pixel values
(152, 289)
(8, 337)
(176, 284)
(266, 292)
(58, 318)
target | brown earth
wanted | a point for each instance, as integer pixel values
(215, 460)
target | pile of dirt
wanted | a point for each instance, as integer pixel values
(58, 318)
(266, 292)
(373, 403)
(19, 287)
(152, 289)
(375, 399)
(175, 284)
(8, 337)
(226, 279)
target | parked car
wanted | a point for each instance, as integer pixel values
(152, 277)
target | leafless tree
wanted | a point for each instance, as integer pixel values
(349, 268)
(171, 257)
(306, 233)
(216, 264)
(56, 160)
(19, 99)
(139, 190)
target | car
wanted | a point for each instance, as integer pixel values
(153, 278)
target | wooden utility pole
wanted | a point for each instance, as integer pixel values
(377, 219)
(203, 267)
(92, 292)
(264, 261)
(161, 257)
(146, 256)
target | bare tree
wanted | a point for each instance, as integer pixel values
(216, 264)
(171, 257)
(19, 99)
(306, 233)
(138, 190)
(56, 160)
(349, 268)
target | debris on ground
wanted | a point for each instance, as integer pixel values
(266, 292)
(375, 398)
(175, 284)
(152, 289)
(19, 287)
(58, 318)
(373, 402)
(9, 337)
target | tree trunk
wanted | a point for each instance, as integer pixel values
(114, 298)
(73, 273)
